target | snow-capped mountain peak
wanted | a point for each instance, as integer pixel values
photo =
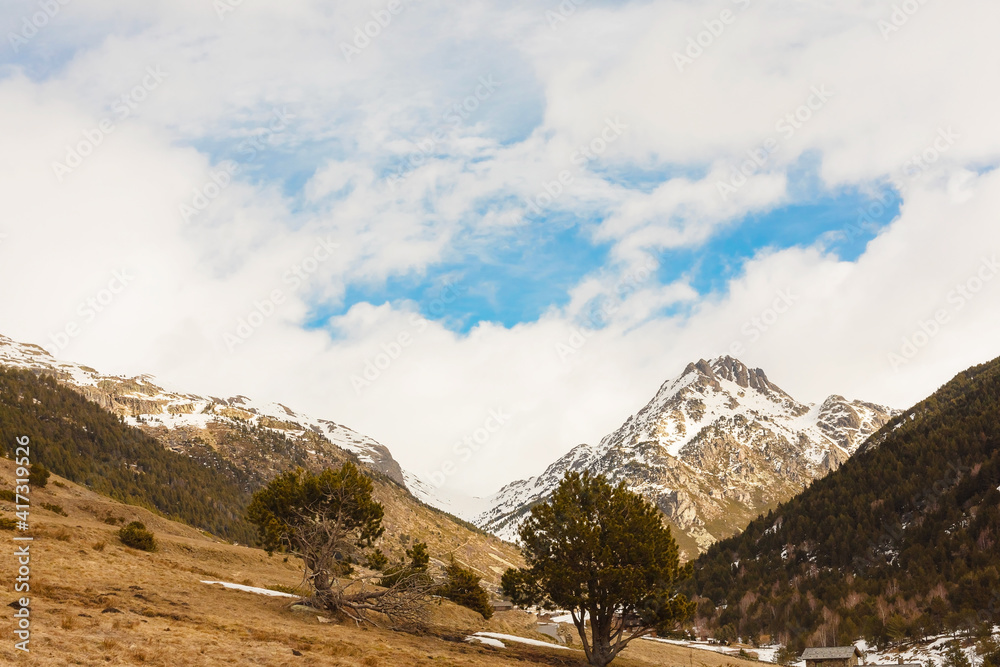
(714, 446)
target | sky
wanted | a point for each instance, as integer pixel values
(508, 222)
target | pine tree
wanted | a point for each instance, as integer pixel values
(603, 553)
(331, 521)
(956, 656)
(462, 587)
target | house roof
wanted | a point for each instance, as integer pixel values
(830, 653)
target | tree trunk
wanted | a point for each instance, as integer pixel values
(600, 638)
(600, 654)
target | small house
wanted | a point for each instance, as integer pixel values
(832, 656)
(502, 605)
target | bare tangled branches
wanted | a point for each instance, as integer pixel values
(400, 605)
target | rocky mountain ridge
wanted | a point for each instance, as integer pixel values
(184, 421)
(713, 448)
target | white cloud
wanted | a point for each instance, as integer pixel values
(354, 121)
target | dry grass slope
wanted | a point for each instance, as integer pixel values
(165, 617)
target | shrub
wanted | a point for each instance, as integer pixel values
(462, 587)
(7, 524)
(281, 588)
(54, 508)
(726, 634)
(786, 656)
(414, 572)
(38, 475)
(7, 494)
(136, 536)
(955, 657)
(377, 560)
(989, 650)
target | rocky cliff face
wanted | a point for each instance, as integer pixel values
(715, 447)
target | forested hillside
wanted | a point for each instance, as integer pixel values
(79, 440)
(901, 541)
(205, 477)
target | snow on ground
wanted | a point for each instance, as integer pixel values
(931, 650)
(489, 641)
(175, 421)
(252, 589)
(568, 618)
(512, 638)
(764, 653)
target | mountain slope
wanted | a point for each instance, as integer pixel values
(94, 601)
(902, 541)
(713, 448)
(158, 411)
(79, 440)
(204, 475)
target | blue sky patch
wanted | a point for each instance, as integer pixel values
(843, 223)
(515, 278)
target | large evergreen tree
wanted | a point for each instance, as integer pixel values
(602, 553)
(332, 521)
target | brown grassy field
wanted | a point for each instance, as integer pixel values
(96, 602)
